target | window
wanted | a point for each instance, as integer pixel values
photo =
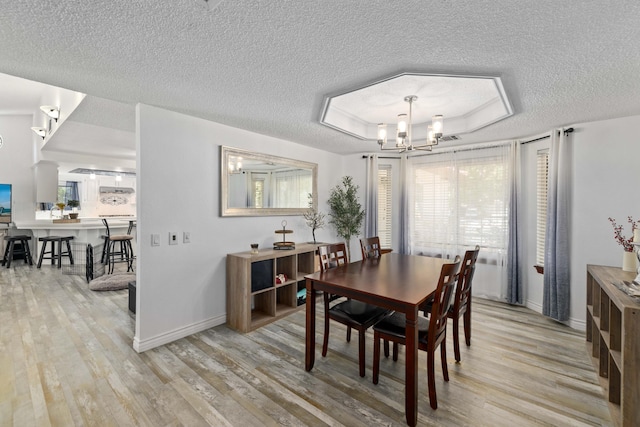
(257, 191)
(542, 186)
(68, 190)
(460, 203)
(384, 205)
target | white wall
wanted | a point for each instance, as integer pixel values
(16, 161)
(605, 176)
(181, 288)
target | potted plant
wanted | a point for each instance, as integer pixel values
(314, 218)
(346, 212)
(73, 204)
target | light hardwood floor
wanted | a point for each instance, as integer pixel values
(66, 359)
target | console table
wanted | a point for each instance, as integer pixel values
(255, 297)
(613, 340)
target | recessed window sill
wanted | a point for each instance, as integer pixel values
(539, 269)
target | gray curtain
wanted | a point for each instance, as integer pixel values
(514, 251)
(371, 198)
(405, 244)
(555, 302)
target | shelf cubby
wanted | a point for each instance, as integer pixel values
(254, 296)
(613, 340)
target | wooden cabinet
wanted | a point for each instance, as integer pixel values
(255, 297)
(613, 339)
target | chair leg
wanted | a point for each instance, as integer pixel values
(70, 252)
(376, 355)
(10, 253)
(386, 348)
(348, 333)
(105, 247)
(59, 253)
(361, 351)
(27, 253)
(443, 359)
(110, 256)
(395, 351)
(5, 258)
(44, 247)
(129, 256)
(431, 379)
(325, 341)
(467, 326)
(456, 339)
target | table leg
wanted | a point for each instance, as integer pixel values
(310, 339)
(411, 367)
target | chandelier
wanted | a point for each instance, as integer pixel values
(404, 140)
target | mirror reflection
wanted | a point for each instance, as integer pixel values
(259, 184)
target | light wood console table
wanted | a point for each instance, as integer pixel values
(613, 340)
(254, 295)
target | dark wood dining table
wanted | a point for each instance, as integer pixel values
(395, 281)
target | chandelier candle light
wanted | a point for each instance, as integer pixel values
(404, 129)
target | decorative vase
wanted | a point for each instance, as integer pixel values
(629, 261)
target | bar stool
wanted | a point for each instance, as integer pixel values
(125, 252)
(53, 255)
(12, 249)
(110, 252)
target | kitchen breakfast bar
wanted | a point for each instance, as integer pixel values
(88, 230)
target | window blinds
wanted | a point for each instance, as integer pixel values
(542, 181)
(384, 205)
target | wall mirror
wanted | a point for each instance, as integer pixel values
(255, 184)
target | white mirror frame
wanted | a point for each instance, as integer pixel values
(225, 210)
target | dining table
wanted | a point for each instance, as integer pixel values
(399, 282)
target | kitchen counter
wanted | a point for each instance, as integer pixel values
(88, 230)
(85, 223)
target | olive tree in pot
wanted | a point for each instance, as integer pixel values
(346, 211)
(73, 204)
(314, 218)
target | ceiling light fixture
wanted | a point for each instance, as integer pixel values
(92, 175)
(118, 177)
(404, 131)
(51, 111)
(41, 132)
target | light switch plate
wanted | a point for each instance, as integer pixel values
(186, 237)
(173, 238)
(155, 240)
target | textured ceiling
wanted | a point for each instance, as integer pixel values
(266, 66)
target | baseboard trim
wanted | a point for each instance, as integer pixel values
(176, 334)
(578, 324)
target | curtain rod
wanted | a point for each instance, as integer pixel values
(566, 131)
(366, 156)
(461, 148)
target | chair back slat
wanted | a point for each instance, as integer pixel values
(106, 224)
(442, 302)
(370, 247)
(463, 288)
(332, 255)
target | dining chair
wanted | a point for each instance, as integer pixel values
(462, 300)
(370, 247)
(432, 332)
(351, 313)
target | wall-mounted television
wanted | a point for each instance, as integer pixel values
(5, 203)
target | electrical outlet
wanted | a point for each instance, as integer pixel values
(173, 238)
(186, 237)
(155, 240)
